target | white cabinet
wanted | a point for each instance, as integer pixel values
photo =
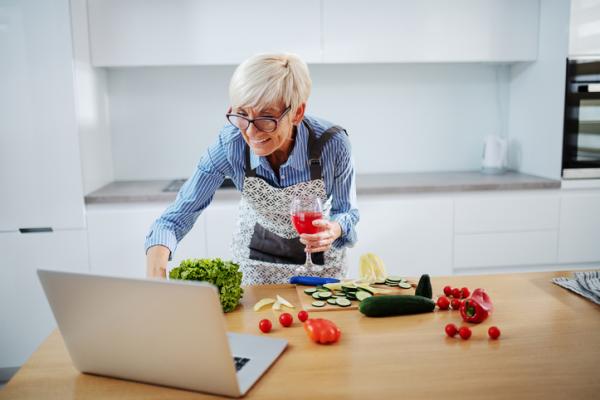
(25, 317)
(412, 234)
(506, 229)
(117, 233)
(580, 226)
(430, 30)
(40, 169)
(184, 32)
(221, 222)
(196, 32)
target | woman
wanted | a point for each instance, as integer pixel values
(272, 152)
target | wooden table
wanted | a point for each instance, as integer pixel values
(549, 348)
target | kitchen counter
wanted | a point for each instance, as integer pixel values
(549, 348)
(421, 182)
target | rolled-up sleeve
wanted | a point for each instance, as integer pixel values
(344, 209)
(193, 197)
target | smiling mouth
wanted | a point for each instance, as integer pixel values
(259, 142)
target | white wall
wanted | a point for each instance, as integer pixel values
(536, 104)
(92, 106)
(401, 117)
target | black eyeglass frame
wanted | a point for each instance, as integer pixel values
(251, 121)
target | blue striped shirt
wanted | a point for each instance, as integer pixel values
(225, 158)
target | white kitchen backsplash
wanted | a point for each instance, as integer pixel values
(400, 117)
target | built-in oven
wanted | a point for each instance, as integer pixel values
(581, 140)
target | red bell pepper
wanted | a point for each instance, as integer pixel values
(322, 330)
(477, 308)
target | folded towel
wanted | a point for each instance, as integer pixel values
(586, 284)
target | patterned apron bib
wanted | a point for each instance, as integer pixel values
(266, 245)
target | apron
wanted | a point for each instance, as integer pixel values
(266, 246)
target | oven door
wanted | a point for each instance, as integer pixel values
(581, 145)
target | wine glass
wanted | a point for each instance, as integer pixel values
(304, 211)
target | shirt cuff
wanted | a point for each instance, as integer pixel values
(348, 237)
(162, 237)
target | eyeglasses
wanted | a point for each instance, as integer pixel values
(264, 124)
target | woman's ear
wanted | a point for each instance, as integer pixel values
(299, 115)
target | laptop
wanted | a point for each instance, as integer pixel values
(169, 333)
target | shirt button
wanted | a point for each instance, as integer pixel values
(282, 176)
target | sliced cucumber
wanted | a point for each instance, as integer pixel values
(332, 301)
(349, 288)
(318, 303)
(310, 290)
(316, 295)
(404, 285)
(380, 282)
(361, 295)
(394, 278)
(325, 295)
(322, 289)
(343, 302)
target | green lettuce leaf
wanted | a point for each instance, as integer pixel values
(225, 275)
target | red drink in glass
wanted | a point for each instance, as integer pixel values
(303, 221)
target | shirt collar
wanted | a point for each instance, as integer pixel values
(298, 158)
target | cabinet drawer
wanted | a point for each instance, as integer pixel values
(580, 228)
(501, 249)
(505, 214)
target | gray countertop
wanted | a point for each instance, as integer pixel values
(418, 182)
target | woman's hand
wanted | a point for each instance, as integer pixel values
(157, 259)
(321, 241)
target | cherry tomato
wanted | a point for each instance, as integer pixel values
(265, 325)
(302, 316)
(494, 332)
(447, 290)
(455, 303)
(464, 332)
(451, 330)
(286, 319)
(456, 293)
(464, 293)
(443, 302)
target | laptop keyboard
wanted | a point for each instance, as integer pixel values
(240, 362)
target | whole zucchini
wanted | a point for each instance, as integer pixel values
(383, 306)
(424, 287)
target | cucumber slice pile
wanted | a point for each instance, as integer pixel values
(393, 280)
(339, 298)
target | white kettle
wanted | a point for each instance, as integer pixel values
(494, 155)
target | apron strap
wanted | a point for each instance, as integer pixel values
(250, 173)
(315, 148)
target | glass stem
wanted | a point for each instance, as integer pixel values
(309, 262)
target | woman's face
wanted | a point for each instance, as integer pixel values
(266, 143)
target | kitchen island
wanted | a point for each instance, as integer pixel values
(549, 348)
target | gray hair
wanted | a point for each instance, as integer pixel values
(269, 79)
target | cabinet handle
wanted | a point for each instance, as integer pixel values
(36, 230)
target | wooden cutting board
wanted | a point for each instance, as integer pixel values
(306, 300)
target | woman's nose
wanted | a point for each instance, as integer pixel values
(251, 130)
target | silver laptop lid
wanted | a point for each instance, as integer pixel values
(155, 331)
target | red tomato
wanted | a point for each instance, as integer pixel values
(322, 331)
(464, 332)
(464, 293)
(455, 303)
(451, 330)
(443, 302)
(494, 332)
(265, 325)
(302, 316)
(286, 319)
(456, 293)
(447, 290)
